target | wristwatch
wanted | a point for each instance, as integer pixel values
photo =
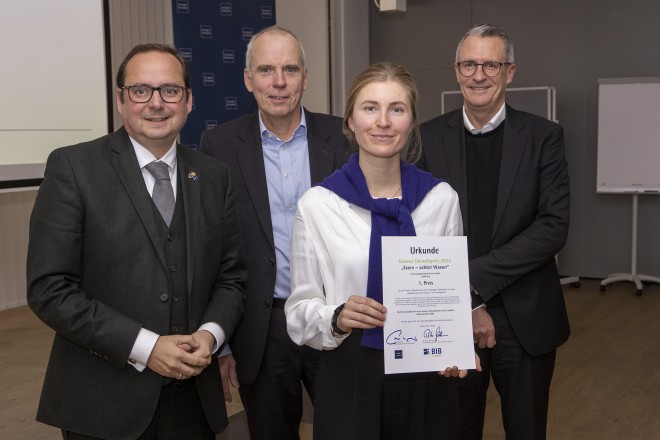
(334, 328)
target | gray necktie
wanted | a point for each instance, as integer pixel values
(163, 194)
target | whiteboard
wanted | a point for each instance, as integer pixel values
(628, 135)
(53, 81)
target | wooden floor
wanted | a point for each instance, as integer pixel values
(606, 384)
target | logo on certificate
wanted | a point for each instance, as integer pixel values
(398, 354)
(433, 352)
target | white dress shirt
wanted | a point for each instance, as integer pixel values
(330, 256)
(490, 125)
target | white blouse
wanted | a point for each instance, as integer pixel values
(330, 256)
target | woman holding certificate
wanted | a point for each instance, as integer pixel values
(336, 275)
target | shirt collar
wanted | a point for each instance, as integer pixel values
(490, 125)
(145, 156)
(266, 135)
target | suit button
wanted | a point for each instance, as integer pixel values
(164, 297)
(172, 268)
(170, 236)
(271, 262)
(266, 304)
(175, 298)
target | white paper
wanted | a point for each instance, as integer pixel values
(426, 290)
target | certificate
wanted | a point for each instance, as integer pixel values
(426, 290)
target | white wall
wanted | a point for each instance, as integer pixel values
(335, 35)
(15, 209)
(308, 19)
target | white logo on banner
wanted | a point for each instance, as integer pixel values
(208, 79)
(182, 7)
(231, 103)
(205, 31)
(225, 9)
(246, 33)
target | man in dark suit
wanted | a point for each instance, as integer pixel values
(140, 293)
(509, 170)
(275, 155)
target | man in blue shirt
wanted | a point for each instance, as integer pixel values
(274, 155)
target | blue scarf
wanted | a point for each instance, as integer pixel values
(389, 217)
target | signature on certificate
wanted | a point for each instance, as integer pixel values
(397, 337)
(431, 335)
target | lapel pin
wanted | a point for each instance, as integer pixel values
(192, 175)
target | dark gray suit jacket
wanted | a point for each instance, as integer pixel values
(531, 220)
(238, 144)
(97, 274)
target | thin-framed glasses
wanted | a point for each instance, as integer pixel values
(143, 94)
(490, 68)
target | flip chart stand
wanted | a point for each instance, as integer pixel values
(633, 276)
(572, 281)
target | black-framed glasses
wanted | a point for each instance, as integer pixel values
(143, 94)
(490, 68)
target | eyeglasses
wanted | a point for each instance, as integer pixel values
(489, 68)
(142, 94)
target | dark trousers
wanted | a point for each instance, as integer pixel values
(273, 403)
(355, 400)
(179, 416)
(522, 381)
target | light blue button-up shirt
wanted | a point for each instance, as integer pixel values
(288, 177)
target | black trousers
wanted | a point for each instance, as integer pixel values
(522, 381)
(179, 416)
(273, 403)
(356, 400)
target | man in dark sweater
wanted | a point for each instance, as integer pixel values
(509, 170)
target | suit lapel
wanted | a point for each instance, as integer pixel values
(515, 141)
(190, 184)
(321, 155)
(250, 160)
(126, 165)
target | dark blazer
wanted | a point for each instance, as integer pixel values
(97, 273)
(531, 220)
(238, 144)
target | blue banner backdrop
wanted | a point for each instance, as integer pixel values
(212, 38)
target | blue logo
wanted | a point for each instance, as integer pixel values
(426, 352)
(246, 33)
(267, 12)
(205, 31)
(231, 103)
(182, 7)
(225, 9)
(398, 354)
(433, 352)
(208, 79)
(228, 56)
(186, 54)
(211, 123)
